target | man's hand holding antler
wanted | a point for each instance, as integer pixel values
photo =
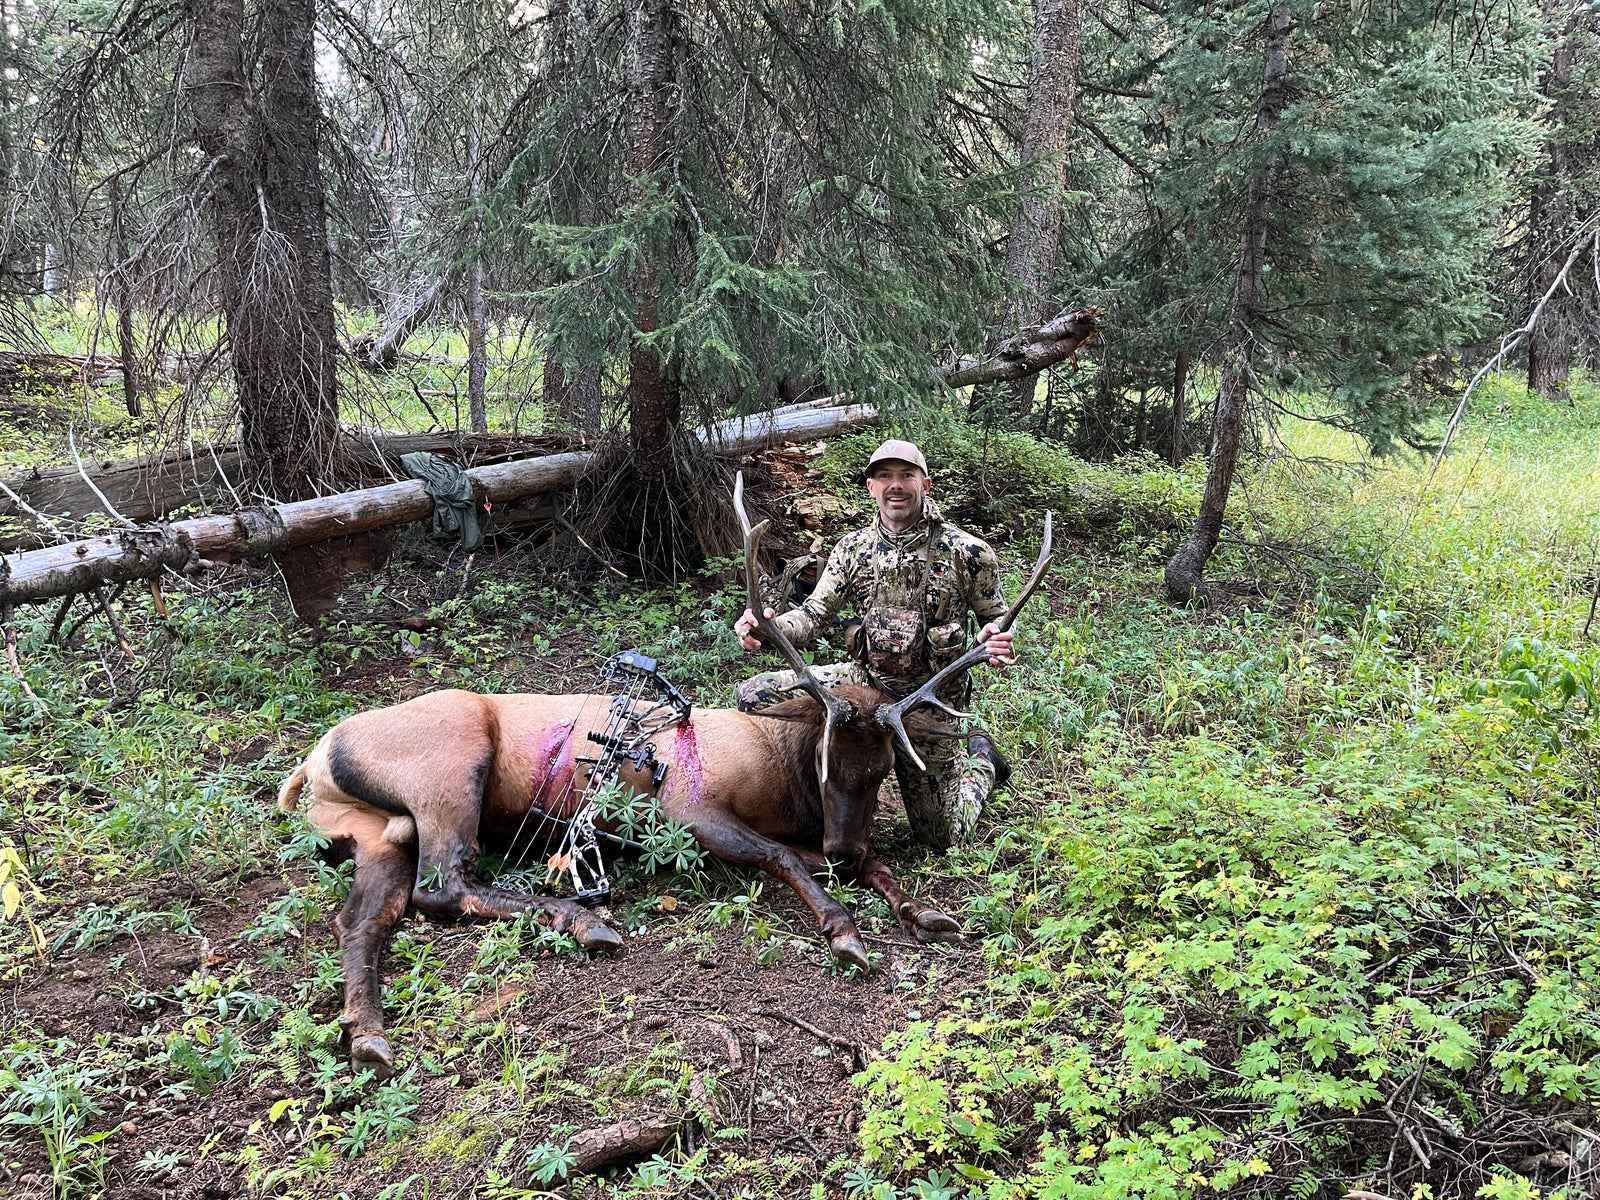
(744, 627)
(998, 644)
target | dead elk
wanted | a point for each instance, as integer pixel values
(412, 791)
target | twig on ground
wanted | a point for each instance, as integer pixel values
(857, 1055)
(117, 628)
(750, 1097)
(11, 653)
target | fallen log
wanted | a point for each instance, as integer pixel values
(32, 576)
(595, 1148)
(1029, 352)
(379, 349)
(152, 486)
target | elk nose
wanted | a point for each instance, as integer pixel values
(847, 852)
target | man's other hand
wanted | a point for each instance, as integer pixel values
(997, 644)
(745, 624)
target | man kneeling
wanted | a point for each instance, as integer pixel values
(913, 579)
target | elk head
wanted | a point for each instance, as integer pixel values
(856, 748)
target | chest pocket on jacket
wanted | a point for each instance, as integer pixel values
(945, 643)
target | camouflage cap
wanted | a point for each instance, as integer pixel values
(906, 452)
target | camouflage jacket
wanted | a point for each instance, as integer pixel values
(964, 579)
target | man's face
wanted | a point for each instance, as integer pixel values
(898, 487)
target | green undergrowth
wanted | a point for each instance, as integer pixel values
(1284, 896)
(1284, 889)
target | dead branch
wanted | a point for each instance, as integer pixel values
(1511, 341)
(1029, 352)
(858, 1057)
(143, 552)
(594, 1148)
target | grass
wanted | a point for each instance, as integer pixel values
(426, 392)
(1286, 898)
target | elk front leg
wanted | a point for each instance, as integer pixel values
(446, 889)
(731, 840)
(920, 921)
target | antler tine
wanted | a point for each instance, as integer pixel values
(894, 715)
(835, 707)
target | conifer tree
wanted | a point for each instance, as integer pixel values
(1565, 191)
(1371, 201)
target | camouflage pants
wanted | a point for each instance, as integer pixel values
(943, 803)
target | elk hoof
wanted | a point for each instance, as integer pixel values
(599, 937)
(848, 948)
(931, 925)
(371, 1052)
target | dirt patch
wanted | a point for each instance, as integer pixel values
(677, 991)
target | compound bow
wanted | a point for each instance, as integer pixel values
(570, 845)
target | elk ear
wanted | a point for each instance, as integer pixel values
(927, 725)
(800, 708)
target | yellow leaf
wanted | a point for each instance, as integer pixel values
(11, 894)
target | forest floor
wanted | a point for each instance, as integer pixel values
(1292, 896)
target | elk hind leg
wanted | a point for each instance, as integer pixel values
(377, 901)
(731, 840)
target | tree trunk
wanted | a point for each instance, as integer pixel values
(127, 350)
(1180, 401)
(1047, 129)
(1184, 573)
(477, 315)
(560, 404)
(574, 403)
(652, 400)
(272, 241)
(1551, 215)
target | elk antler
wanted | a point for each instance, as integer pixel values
(892, 716)
(837, 708)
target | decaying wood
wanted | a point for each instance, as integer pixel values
(1028, 352)
(144, 553)
(152, 486)
(595, 1148)
(380, 348)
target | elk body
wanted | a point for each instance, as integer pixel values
(412, 792)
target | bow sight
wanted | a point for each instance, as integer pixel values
(644, 703)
